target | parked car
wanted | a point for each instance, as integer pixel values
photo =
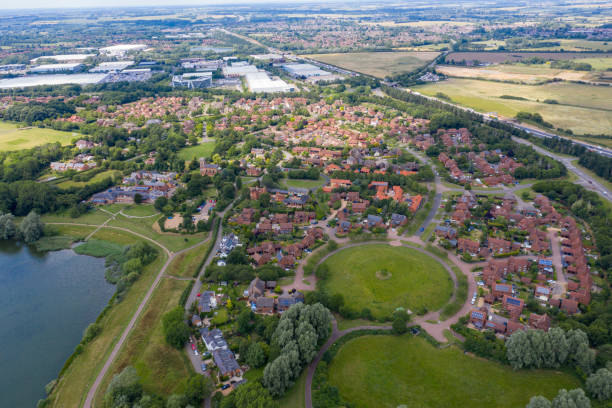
(225, 386)
(193, 346)
(204, 367)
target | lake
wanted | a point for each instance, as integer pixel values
(46, 302)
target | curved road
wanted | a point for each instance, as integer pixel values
(436, 330)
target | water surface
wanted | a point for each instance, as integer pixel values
(46, 302)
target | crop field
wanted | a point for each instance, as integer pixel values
(392, 371)
(598, 63)
(13, 137)
(383, 278)
(498, 57)
(378, 64)
(577, 45)
(575, 102)
(528, 74)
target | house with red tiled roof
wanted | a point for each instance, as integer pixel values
(540, 322)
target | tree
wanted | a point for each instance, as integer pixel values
(584, 358)
(277, 376)
(160, 203)
(255, 355)
(198, 388)
(559, 345)
(399, 325)
(176, 330)
(307, 341)
(31, 228)
(176, 401)
(138, 198)
(571, 399)
(245, 321)
(7, 226)
(599, 385)
(539, 402)
(125, 387)
(252, 395)
(518, 350)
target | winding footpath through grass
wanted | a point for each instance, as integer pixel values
(126, 332)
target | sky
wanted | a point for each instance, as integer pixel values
(30, 4)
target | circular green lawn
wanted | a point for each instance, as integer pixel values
(383, 278)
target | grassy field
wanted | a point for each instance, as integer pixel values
(295, 396)
(12, 138)
(98, 248)
(143, 210)
(383, 278)
(186, 263)
(297, 183)
(575, 101)
(93, 217)
(600, 64)
(174, 242)
(114, 174)
(163, 369)
(378, 64)
(72, 387)
(202, 150)
(388, 371)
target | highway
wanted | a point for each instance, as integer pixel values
(584, 179)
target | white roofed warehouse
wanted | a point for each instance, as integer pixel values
(261, 82)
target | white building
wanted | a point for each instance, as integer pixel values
(261, 82)
(122, 49)
(53, 68)
(113, 66)
(63, 58)
(193, 80)
(304, 70)
(238, 69)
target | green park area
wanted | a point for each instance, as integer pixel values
(383, 278)
(302, 183)
(16, 137)
(204, 149)
(392, 371)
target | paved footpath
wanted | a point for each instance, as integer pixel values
(126, 332)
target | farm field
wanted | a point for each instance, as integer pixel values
(383, 278)
(529, 74)
(378, 64)
(600, 64)
(498, 57)
(575, 101)
(577, 45)
(204, 149)
(12, 138)
(389, 371)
